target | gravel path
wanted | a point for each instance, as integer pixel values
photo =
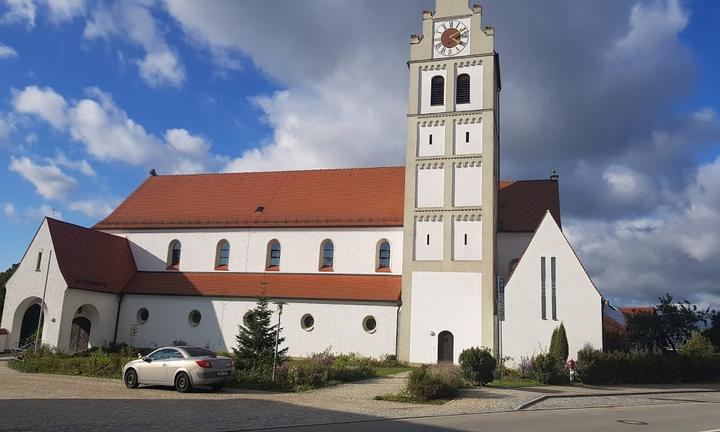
(57, 402)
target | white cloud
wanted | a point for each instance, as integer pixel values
(9, 210)
(38, 213)
(49, 180)
(133, 21)
(7, 52)
(651, 26)
(109, 134)
(81, 165)
(65, 10)
(183, 142)
(97, 209)
(19, 11)
(7, 125)
(43, 102)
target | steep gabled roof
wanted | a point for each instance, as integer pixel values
(91, 260)
(314, 198)
(522, 204)
(374, 288)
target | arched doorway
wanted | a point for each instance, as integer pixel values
(80, 334)
(445, 347)
(29, 326)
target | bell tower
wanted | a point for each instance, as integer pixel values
(451, 184)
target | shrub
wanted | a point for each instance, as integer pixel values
(697, 345)
(596, 367)
(478, 365)
(98, 363)
(559, 344)
(434, 382)
(548, 369)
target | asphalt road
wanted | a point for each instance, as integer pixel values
(681, 417)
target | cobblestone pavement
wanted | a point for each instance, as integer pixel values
(55, 402)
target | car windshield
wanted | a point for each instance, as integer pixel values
(199, 352)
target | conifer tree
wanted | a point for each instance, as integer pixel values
(256, 342)
(559, 344)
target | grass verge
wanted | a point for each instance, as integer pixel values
(513, 383)
(385, 371)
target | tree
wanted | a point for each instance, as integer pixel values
(713, 332)
(698, 345)
(4, 277)
(670, 326)
(559, 344)
(256, 340)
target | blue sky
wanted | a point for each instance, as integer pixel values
(621, 96)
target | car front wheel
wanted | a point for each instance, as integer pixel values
(182, 383)
(131, 379)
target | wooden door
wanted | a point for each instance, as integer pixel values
(445, 347)
(80, 334)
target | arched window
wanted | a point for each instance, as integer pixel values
(437, 91)
(174, 249)
(383, 256)
(273, 256)
(327, 255)
(222, 255)
(462, 91)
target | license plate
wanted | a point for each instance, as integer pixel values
(223, 373)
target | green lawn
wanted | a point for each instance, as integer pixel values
(384, 371)
(513, 383)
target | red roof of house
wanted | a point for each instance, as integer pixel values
(318, 198)
(522, 204)
(314, 198)
(610, 324)
(637, 309)
(91, 260)
(379, 288)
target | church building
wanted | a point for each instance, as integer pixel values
(421, 261)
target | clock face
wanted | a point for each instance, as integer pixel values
(450, 38)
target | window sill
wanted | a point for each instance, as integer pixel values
(221, 268)
(383, 270)
(326, 269)
(173, 268)
(272, 268)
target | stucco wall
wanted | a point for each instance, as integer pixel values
(524, 331)
(467, 184)
(444, 301)
(467, 241)
(26, 288)
(468, 136)
(510, 246)
(428, 146)
(99, 308)
(337, 325)
(355, 249)
(430, 186)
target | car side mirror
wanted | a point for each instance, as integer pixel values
(147, 359)
(140, 356)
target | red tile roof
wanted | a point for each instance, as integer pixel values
(522, 204)
(319, 198)
(275, 285)
(91, 260)
(637, 309)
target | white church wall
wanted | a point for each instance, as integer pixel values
(426, 77)
(510, 246)
(338, 325)
(430, 185)
(447, 301)
(474, 70)
(467, 240)
(26, 288)
(468, 136)
(431, 139)
(467, 184)
(99, 308)
(355, 249)
(428, 240)
(524, 331)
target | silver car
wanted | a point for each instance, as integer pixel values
(181, 367)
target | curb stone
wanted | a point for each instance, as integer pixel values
(541, 398)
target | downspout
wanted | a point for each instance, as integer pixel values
(117, 318)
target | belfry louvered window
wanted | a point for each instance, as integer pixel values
(437, 91)
(463, 89)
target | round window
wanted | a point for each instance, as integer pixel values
(194, 318)
(369, 324)
(142, 315)
(307, 322)
(246, 319)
